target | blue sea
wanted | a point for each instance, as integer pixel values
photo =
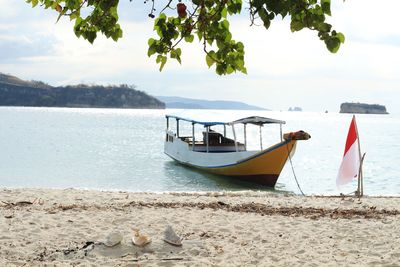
(122, 149)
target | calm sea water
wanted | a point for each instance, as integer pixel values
(116, 149)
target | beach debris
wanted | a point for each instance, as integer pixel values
(38, 201)
(9, 216)
(171, 237)
(19, 203)
(140, 240)
(113, 238)
(205, 234)
(219, 249)
(87, 244)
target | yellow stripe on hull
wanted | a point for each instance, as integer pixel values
(266, 164)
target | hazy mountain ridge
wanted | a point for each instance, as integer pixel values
(17, 92)
(190, 103)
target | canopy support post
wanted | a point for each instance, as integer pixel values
(193, 141)
(167, 123)
(177, 128)
(207, 130)
(261, 144)
(245, 137)
(234, 138)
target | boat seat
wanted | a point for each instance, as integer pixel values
(214, 138)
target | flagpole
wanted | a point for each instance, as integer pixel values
(360, 173)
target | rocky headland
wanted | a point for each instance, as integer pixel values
(17, 92)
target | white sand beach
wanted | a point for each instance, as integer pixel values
(68, 227)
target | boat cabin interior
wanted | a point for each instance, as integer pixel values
(217, 142)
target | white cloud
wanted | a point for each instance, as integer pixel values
(367, 20)
(8, 9)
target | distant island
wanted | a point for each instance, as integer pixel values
(362, 108)
(189, 103)
(17, 92)
(295, 109)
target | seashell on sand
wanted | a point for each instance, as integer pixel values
(139, 239)
(171, 237)
(113, 239)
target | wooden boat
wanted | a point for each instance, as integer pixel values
(215, 153)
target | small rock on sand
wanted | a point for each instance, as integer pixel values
(113, 239)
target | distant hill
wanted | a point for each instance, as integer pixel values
(189, 103)
(17, 92)
(362, 108)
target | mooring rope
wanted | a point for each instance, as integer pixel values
(294, 173)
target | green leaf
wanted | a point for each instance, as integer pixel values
(199, 35)
(163, 61)
(210, 61)
(221, 45)
(178, 52)
(151, 41)
(189, 38)
(74, 15)
(116, 35)
(239, 46)
(325, 27)
(265, 17)
(326, 6)
(296, 25)
(90, 36)
(333, 44)
(267, 23)
(220, 69)
(224, 12)
(225, 24)
(228, 37)
(229, 69)
(340, 36)
(151, 51)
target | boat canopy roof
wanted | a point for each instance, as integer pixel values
(226, 120)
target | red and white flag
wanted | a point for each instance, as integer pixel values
(349, 169)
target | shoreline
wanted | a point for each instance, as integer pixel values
(246, 192)
(69, 226)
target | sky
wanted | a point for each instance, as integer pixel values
(285, 69)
